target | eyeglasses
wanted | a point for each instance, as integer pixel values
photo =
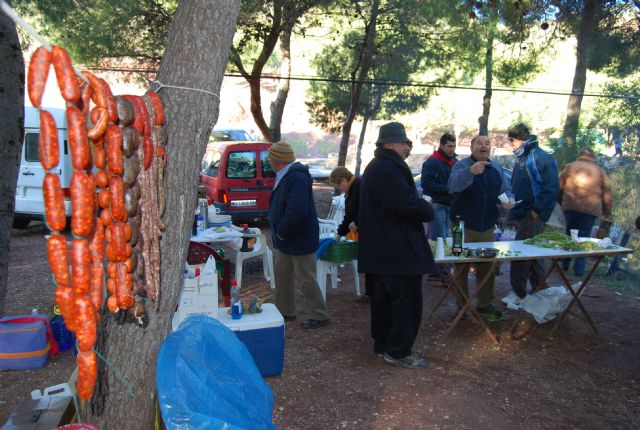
(511, 139)
(409, 144)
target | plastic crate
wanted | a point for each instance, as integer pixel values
(341, 252)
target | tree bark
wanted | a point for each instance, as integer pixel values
(11, 137)
(196, 57)
(277, 106)
(585, 31)
(357, 82)
(365, 121)
(483, 121)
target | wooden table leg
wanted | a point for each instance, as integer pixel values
(576, 296)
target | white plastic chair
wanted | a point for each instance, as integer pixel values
(336, 212)
(260, 248)
(329, 229)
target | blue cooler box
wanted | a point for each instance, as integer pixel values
(263, 334)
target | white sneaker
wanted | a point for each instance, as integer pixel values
(511, 299)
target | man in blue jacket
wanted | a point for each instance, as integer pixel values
(393, 248)
(535, 186)
(477, 182)
(294, 233)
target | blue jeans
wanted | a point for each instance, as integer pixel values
(583, 223)
(441, 225)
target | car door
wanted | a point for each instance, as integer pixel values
(243, 182)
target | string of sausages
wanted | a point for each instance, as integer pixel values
(120, 205)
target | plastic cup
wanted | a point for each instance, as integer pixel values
(574, 234)
(449, 242)
(503, 198)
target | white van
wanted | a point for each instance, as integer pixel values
(29, 202)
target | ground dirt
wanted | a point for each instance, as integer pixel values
(333, 380)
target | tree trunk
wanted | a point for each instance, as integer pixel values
(357, 83)
(365, 121)
(11, 137)
(196, 57)
(586, 28)
(488, 81)
(277, 106)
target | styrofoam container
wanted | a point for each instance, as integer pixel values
(263, 335)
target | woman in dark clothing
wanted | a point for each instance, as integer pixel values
(349, 184)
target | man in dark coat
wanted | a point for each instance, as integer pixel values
(393, 247)
(295, 233)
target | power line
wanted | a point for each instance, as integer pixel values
(389, 82)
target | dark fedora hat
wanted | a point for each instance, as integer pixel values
(392, 132)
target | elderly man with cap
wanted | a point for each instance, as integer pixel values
(294, 233)
(393, 248)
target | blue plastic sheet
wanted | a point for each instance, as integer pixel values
(207, 379)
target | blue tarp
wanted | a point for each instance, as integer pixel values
(207, 379)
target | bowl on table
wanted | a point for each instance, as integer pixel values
(486, 252)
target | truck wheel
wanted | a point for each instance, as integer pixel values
(21, 223)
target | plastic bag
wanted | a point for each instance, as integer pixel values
(206, 379)
(548, 303)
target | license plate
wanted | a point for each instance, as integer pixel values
(242, 203)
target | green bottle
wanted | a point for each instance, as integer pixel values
(457, 238)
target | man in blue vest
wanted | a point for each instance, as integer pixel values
(535, 186)
(477, 182)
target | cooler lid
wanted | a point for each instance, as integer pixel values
(269, 317)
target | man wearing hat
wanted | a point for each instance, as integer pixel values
(294, 233)
(393, 248)
(535, 186)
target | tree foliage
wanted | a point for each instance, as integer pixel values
(104, 29)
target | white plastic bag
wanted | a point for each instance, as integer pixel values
(547, 304)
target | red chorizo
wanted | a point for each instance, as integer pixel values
(80, 266)
(104, 198)
(77, 129)
(99, 125)
(112, 303)
(100, 158)
(82, 189)
(114, 150)
(58, 261)
(102, 179)
(118, 242)
(124, 288)
(66, 301)
(53, 202)
(65, 74)
(102, 95)
(87, 374)
(148, 151)
(85, 97)
(96, 244)
(158, 109)
(49, 149)
(37, 75)
(116, 189)
(105, 216)
(96, 291)
(86, 316)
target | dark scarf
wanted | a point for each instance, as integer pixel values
(530, 143)
(440, 155)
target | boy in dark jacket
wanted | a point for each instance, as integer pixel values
(393, 247)
(295, 232)
(535, 187)
(434, 181)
